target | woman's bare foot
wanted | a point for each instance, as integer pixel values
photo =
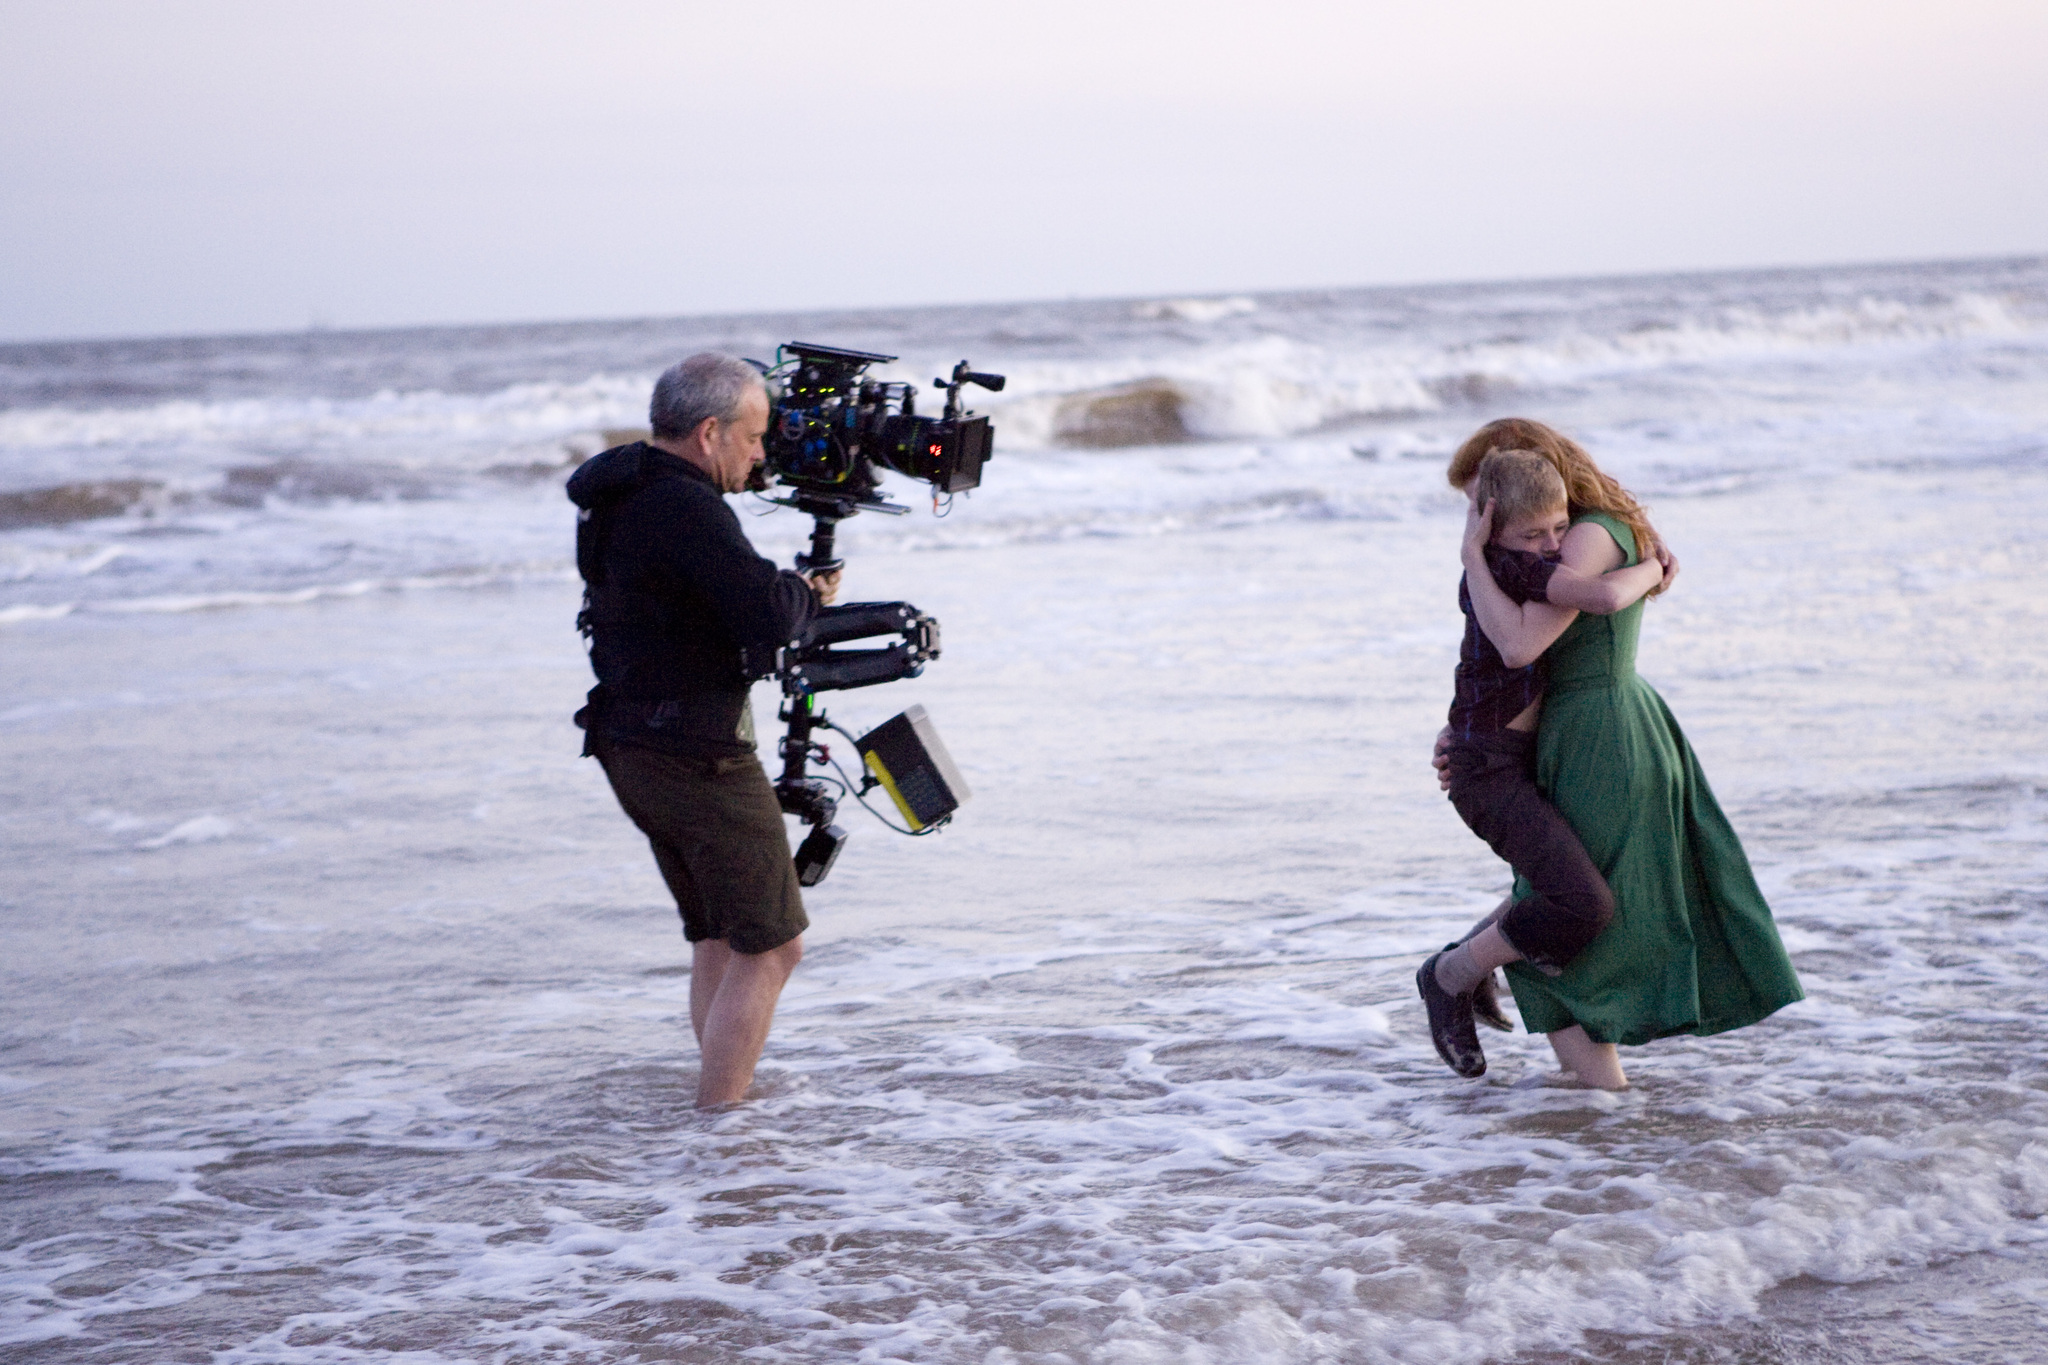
(1569, 1080)
(1593, 1066)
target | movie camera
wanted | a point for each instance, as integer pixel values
(829, 432)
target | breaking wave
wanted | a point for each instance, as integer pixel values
(1273, 386)
(86, 501)
(1120, 418)
(1262, 386)
(518, 411)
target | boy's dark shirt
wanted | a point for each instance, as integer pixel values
(1490, 694)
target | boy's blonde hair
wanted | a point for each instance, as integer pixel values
(1520, 483)
(1588, 489)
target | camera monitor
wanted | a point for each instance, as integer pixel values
(909, 759)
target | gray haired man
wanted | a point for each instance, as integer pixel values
(673, 594)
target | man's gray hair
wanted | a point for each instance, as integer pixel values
(705, 385)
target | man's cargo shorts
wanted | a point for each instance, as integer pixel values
(717, 833)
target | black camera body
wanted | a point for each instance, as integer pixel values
(831, 430)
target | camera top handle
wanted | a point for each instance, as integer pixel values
(962, 375)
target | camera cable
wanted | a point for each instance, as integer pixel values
(860, 793)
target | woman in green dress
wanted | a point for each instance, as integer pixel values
(1692, 948)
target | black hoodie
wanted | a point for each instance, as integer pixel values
(673, 593)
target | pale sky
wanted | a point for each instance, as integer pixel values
(207, 167)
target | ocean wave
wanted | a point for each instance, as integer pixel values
(317, 481)
(1264, 388)
(287, 480)
(172, 604)
(87, 500)
(1275, 386)
(21, 563)
(1035, 521)
(15, 615)
(1267, 384)
(1194, 310)
(518, 411)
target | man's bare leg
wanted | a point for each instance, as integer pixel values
(1594, 1065)
(707, 966)
(740, 991)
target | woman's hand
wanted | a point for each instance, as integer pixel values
(1441, 760)
(1670, 563)
(1653, 547)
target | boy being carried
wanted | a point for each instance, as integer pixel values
(1489, 749)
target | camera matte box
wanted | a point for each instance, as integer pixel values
(909, 759)
(971, 441)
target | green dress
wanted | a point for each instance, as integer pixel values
(1692, 948)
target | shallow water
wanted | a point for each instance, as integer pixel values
(346, 1019)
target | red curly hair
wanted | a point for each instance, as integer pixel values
(1586, 488)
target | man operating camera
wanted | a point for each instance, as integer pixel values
(674, 595)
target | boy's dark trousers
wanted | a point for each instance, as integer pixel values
(1493, 787)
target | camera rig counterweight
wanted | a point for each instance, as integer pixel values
(827, 434)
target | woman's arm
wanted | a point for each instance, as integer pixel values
(1522, 631)
(1606, 594)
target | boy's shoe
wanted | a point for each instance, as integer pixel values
(1486, 1005)
(1450, 1022)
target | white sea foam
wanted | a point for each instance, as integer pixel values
(518, 411)
(1195, 310)
(200, 829)
(177, 604)
(21, 562)
(26, 611)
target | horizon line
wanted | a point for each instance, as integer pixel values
(316, 329)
